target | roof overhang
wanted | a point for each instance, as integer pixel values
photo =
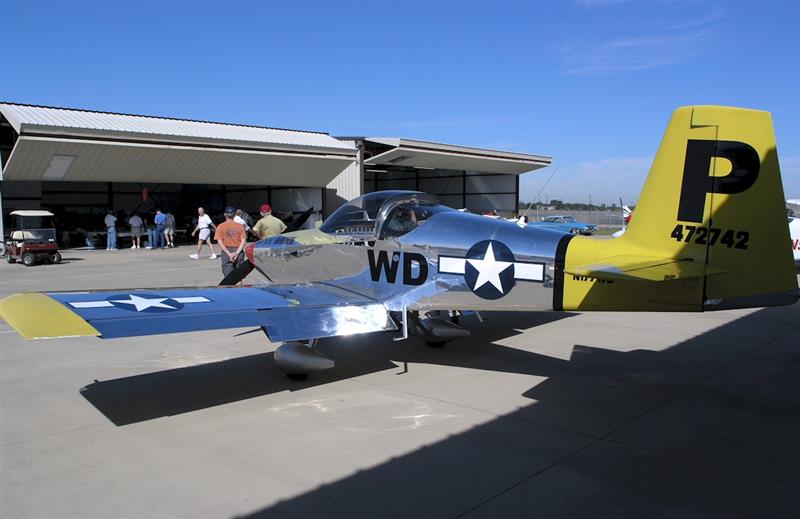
(72, 145)
(99, 160)
(427, 155)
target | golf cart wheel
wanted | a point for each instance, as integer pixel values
(10, 259)
(297, 376)
(54, 258)
(29, 259)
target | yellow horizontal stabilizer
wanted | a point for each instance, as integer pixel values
(638, 268)
(37, 316)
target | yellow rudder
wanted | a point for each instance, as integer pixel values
(713, 199)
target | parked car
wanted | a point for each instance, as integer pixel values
(567, 224)
(32, 238)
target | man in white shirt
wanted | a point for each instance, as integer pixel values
(204, 226)
(239, 218)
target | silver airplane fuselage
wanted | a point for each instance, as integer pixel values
(445, 260)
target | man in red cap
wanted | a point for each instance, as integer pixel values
(268, 225)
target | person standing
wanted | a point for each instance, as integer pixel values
(238, 218)
(231, 238)
(161, 224)
(169, 230)
(111, 230)
(268, 225)
(204, 226)
(151, 232)
(136, 224)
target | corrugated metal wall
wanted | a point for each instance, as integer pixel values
(348, 185)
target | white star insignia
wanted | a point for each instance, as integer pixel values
(489, 269)
(142, 303)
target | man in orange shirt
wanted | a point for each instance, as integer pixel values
(231, 238)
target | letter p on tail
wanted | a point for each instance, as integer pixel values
(709, 231)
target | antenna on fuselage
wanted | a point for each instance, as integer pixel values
(528, 210)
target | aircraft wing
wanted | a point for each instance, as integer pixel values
(637, 268)
(286, 313)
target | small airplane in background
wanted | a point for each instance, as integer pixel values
(794, 234)
(401, 261)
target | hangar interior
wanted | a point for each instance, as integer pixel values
(80, 164)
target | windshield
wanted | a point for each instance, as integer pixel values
(32, 228)
(358, 215)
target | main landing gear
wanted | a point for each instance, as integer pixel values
(298, 359)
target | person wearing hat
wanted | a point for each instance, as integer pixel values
(231, 238)
(268, 225)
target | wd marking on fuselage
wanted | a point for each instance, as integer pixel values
(389, 267)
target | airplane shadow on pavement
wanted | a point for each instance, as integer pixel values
(139, 398)
(707, 427)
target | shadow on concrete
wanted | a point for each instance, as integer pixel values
(171, 392)
(707, 427)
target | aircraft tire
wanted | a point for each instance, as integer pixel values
(297, 376)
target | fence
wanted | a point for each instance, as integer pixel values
(601, 218)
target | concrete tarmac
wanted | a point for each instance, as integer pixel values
(534, 415)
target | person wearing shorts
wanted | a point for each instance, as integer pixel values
(169, 230)
(137, 226)
(203, 227)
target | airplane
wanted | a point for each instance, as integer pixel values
(709, 234)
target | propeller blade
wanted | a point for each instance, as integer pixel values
(299, 221)
(238, 274)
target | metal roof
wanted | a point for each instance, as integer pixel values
(78, 145)
(31, 119)
(425, 154)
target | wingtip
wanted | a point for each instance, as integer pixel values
(37, 316)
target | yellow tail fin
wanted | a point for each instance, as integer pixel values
(714, 200)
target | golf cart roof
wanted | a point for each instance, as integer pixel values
(36, 212)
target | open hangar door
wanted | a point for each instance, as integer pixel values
(479, 180)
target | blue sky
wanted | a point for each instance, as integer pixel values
(591, 83)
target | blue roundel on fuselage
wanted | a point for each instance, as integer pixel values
(489, 269)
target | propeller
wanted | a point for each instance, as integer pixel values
(240, 272)
(299, 221)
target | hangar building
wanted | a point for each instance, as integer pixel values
(81, 163)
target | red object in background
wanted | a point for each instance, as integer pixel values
(248, 252)
(144, 194)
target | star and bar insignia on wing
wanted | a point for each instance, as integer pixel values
(142, 303)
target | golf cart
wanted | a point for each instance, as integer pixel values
(32, 238)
